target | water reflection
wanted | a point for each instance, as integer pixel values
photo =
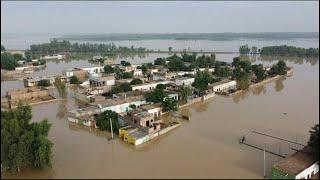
(241, 96)
(258, 90)
(62, 109)
(279, 84)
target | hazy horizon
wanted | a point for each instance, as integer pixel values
(84, 17)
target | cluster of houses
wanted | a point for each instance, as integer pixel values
(143, 122)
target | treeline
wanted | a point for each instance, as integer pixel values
(187, 62)
(289, 51)
(193, 36)
(24, 143)
(10, 61)
(55, 46)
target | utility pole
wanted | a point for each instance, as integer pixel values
(264, 161)
(111, 128)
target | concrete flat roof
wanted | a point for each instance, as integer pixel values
(297, 162)
(221, 82)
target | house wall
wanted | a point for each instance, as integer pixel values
(225, 86)
(184, 82)
(146, 87)
(307, 173)
(28, 95)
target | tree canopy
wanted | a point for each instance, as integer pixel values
(169, 105)
(24, 144)
(74, 80)
(202, 79)
(103, 121)
(285, 50)
(136, 81)
(8, 61)
(314, 140)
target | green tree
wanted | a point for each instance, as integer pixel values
(278, 69)
(108, 69)
(24, 144)
(259, 71)
(243, 80)
(169, 105)
(125, 63)
(176, 65)
(224, 71)
(170, 49)
(136, 81)
(17, 57)
(160, 61)
(3, 48)
(74, 80)
(8, 62)
(125, 87)
(244, 49)
(127, 75)
(314, 140)
(103, 121)
(132, 106)
(156, 96)
(185, 92)
(61, 87)
(202, 79)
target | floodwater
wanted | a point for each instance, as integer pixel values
(207, 146)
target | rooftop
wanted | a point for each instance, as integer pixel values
(221, 82)
(150, 106)
(297, 162)
(143, 114)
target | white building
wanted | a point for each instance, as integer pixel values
(96, 69)
(224, 85)
(154, 109)
(137, 72)
(184, 81)
(55, 56)
(99, 79)
(148, 86)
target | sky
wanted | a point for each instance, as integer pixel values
(84, 17)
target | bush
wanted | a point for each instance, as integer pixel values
(136, 81)
(74, 80)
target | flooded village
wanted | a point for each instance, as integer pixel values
(159, 90)
(141, 121)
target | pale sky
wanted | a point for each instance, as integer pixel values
(158, 17)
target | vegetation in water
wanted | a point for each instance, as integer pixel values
(103, 121)
(24, 143)
(289, 51)
(314, 140)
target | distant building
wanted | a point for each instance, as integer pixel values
(137, 72)
(148, 86)
(162, 76)
(33, 81)
(184, 81)
(101, 79)
(54, 56)
(91, 70)
(223, 86)
(300, 165)
(154, 109)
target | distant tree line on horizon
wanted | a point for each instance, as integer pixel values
(283, 50)
(192, 36)
(57, 46)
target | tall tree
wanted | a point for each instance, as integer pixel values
(314, 140)
(169, 105)
(103, 121)
(185, 92)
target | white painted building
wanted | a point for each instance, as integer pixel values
(137, 72)
(224, 85)
(55, 56)
(92, 70)
(184, 81)
(99, 79)
(148, 86)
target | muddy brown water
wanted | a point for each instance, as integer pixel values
(207, 146)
